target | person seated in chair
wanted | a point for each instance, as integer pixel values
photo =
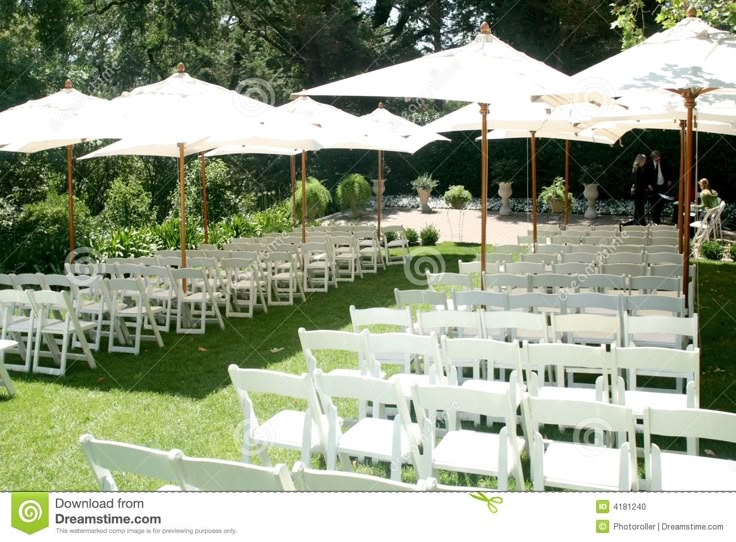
(708, 196)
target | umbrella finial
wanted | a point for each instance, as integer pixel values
(181, 68)
(485, 28)
(380, 105)
(68, 84)
(692, 12)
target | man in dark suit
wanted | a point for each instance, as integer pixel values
(660, 182)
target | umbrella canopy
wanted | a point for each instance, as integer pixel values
(485, 71)
(173, 118)
(61, 119)
(689, 59)
(381, 120)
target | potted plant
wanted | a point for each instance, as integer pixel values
(554, 195)
(589, 179)
(457, 196)
(424, 184)
(504, 171)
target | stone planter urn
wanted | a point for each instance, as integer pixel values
(375, 186)
(504, 192)
(424, 199)
(591, 194)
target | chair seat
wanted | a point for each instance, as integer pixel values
(286, 429)
(575, 466)
(374, 437)
(472, 452)
(682, 472)
(663, 340)
(133, 311)
(57, 326)
(494, 386)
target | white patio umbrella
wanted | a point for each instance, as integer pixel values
(173, 118)
(310, 125)
(524, 119)
(487, 71)
(689, 59)
(380, 119)
(58, 120)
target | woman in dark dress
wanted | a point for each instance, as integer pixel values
(639, 186)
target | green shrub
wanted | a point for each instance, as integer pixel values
(128, 204)
(167, 234)
(354, 192)
(225, 196)
(39, 239)
(124, 243)
(712, 250)
(275, 219)
(429, 235)
(412, 236)
(318, 198)
(732, 252)
(390, 236)
(457, 196)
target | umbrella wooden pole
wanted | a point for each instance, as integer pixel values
(567, 181)
(204, 198)
(534, 187)
(304, 196)
(70, 193)
(483, 187)
(293, 190)
(379, 188)
(182, 212)
(681, 188)
(689, 105)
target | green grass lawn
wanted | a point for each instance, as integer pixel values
(180, 396)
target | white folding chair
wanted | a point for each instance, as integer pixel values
(661, 331)
(321, 346)
(507, 282)
(18, 324)
(420, 298)
(318, 271)
(5, 380)
(289, 428)
(45, 303)
(244, 286)
(671, 471)
(385, 319)
(106, 457)
(399, 245)
(468, 451)
(306, 479)
(347, 258)
(128, 301)
(395, 441)
(659, 364)
(187, 301)
(592, 464)
(284, 278)
(205, 474)
(449, 282)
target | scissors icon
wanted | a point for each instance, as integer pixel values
(491, 502)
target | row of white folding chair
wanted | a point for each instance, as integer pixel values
(570, 279)
(35, 318)
(397, 440)
(458, 451)
(399, 244)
